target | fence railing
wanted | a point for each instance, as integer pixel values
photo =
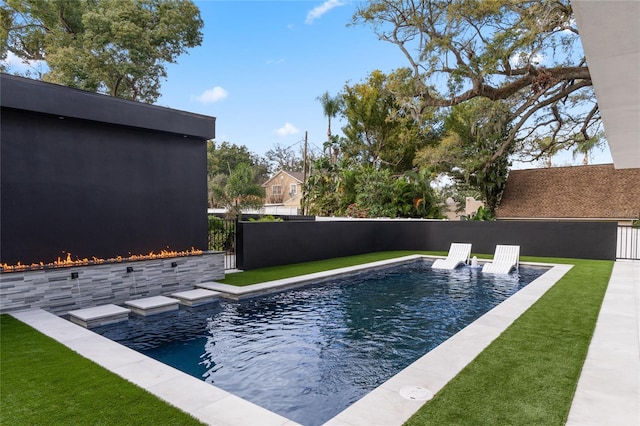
(628, 246)
(222, 237)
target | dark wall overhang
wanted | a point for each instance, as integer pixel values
(37, 96)
(112, 178)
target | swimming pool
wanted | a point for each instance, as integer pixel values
(309, 353)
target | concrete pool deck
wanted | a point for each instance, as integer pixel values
(608, 391)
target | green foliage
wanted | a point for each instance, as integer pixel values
(379, 132)
(585, 146)
(331, 106)
(222, 159)
(239, 192)
(350, 189)
(330, 188)
(117, 47)
(375, 192)
(475, 68)
(267, 218)
(45, 383)
(354, 211)
(482, 214)
(368, 173)
(415, 197)
(474, 131)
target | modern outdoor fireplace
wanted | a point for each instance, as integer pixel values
(97, 176)
(91, 176)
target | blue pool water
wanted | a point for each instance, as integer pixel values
(309, 353)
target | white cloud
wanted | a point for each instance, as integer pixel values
(318, 11)
(286, 130)
(212, 95)
(14, 62)
(275, 61)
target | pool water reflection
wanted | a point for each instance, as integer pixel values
(309, 353)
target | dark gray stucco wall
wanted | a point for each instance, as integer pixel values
(280, 243)
(261, 244)
(97, 184)
(583, 240)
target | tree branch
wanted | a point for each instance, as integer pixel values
(587, 119)
(514, 131)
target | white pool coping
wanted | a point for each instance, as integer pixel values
(382, 406)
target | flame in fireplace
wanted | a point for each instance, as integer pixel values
(69, 261)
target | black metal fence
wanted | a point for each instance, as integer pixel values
(628, 246)
(222, 237)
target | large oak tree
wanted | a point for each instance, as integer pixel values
(117, 47)
(526, 53)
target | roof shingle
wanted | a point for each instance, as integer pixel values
(579, 192)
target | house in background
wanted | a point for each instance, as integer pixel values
(283, 193)
(578, 193)
(451, 212)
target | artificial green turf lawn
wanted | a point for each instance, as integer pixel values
(529, 374)
(278, 272)
(42, 382)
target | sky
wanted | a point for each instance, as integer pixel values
(263, 64)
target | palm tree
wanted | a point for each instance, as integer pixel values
(239, 192)
(331, 106)
(585, 146)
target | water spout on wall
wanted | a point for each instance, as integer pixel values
(76, 276)
(133, 277)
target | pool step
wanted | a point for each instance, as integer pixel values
(99, 315)
(152, 305)
(196, 297)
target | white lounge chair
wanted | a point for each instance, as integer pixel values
(504, 259)
(458, 255)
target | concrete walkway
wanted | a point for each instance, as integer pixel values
(608, 391)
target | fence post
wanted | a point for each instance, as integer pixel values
(222, 237)
(628, 246)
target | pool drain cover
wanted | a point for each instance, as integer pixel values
(416, 393)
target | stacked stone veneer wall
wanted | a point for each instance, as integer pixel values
(55, 290)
